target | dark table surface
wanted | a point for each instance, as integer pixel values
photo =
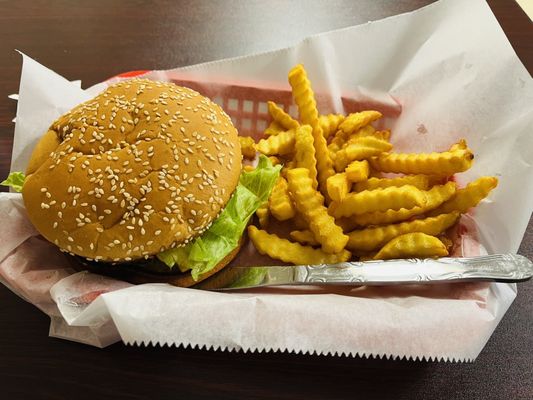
(92, 40)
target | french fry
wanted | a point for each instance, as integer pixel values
(446, 163)
(412, 245)
(305, 100)
(357, 171)
(284, 250)
(373, 238)
(273, 129)
(279, 202)
(304, 237)
(419, 181)
(280, 144)
(263, 215)
(338, 186)
(303, 96)
(434, 198)
(330, 123)
(355, 121)
(360, 149)
(393, 198)
(381, 135)
(247, 147)
(304, 155)
(404, 216)
(340, 140)
(310, 204)
(468, 197)
(368, 131)
(281, 117)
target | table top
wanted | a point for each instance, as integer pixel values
(94, 40)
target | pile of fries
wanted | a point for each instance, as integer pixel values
(333, 193)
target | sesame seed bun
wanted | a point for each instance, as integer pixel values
(143, 167)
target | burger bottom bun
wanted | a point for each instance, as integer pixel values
(138, 272)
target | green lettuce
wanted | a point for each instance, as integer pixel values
(251, 277)
(206, 251)
(15, 180)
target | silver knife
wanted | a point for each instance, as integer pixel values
(497, 268)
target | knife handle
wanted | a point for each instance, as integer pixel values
(496, 267)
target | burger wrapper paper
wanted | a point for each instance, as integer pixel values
(440, 73)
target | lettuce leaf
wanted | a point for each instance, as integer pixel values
(15, 180)
(206, 251)
(251, 277)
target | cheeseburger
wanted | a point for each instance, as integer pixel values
(144, 182)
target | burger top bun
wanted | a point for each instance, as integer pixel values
(143, 167)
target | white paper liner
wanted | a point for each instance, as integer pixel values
(455, 75)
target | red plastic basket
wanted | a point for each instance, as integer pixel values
(247, 104)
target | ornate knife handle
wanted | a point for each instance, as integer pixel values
(496, 267)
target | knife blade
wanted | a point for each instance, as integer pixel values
(496, 267)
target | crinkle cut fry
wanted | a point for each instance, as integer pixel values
(469, 196)
(305, 237)
(273, 129)
(310, 204)
(341, 139)
(357, 120)
(419, 181)
(279, 202)
(360, 149)
(304, 155)
(330, 123)
(366, 131)
(372, 238)
(282, 143)
(434, 198)
(281, 117)
(446, 163)
(357, 171)
(412, 245)
(393, 198)
(338, 186)
(305, 100)
(247, 147)
(284, 250)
